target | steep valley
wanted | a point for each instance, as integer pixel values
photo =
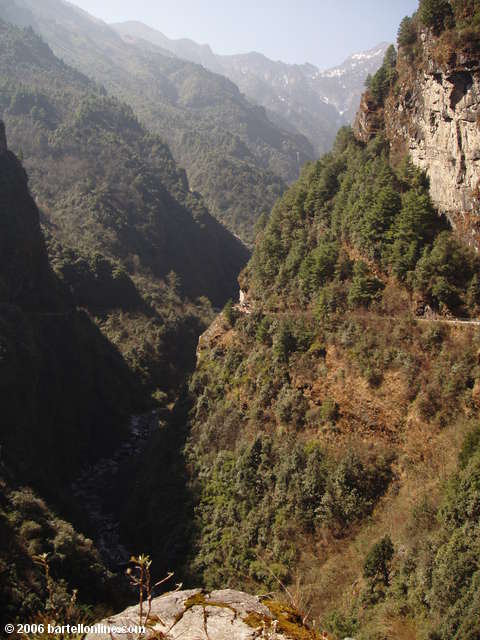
(235, 156)
(315, 444)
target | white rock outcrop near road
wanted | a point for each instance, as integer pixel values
(193, 615)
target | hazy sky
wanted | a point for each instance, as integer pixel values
(323, 32)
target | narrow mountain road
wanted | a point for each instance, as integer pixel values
(245, 307)
(96, 480)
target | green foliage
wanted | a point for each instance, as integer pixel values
(107, 185)
(416, 226)
(331, 300)
(377, 563)
(230, 313)
(386, 215)
(407, 33)
(329, 411)
(291, 407)
(439, 578)
(352, 490)
(341, 625)
(263, 330)
(471, 444)
(379, 84)
(364, 288)
(283, 343)
(436, 14)
(234, 154)
(28, 528)
(352, 232)
(318, 267)
(446, 273)
(251, 502)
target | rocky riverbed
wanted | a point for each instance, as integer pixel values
(99, 479)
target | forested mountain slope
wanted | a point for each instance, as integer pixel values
(105, 183)
(299, 97)
(114, 203)
(327, 416)
(334, 438)
(233, 154)
(66, 398)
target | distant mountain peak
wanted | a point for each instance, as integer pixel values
(373, 56)
(297, 97)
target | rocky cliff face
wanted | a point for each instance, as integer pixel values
(433, 114)
(369, 119)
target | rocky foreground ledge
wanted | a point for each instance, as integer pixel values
(219, 615)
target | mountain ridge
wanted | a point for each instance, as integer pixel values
(234, 155)
(317, 105)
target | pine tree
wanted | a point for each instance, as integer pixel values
(377, 563)
(407, 34)
(436, 14)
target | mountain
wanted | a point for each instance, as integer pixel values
(66, 398)
(126, 235)
(299, 97)
(343, 85)
(234, 155)
(433, 116)
(333, 442)
(104, 182)
(327, 449)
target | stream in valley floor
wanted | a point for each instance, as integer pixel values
(99, 479)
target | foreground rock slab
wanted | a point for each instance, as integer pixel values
(219, 615)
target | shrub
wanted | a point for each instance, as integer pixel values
(230, 313)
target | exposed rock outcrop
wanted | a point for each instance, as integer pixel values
(369, 119)
(434, 114)
(219, 615)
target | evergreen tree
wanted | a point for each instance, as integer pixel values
(378, 561)
(364, 288)
(283, 344)
(407, 34)
(380, 84)
(436, 14)
(378, 220)
(414, 227)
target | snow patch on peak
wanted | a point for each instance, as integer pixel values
(367, 55)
